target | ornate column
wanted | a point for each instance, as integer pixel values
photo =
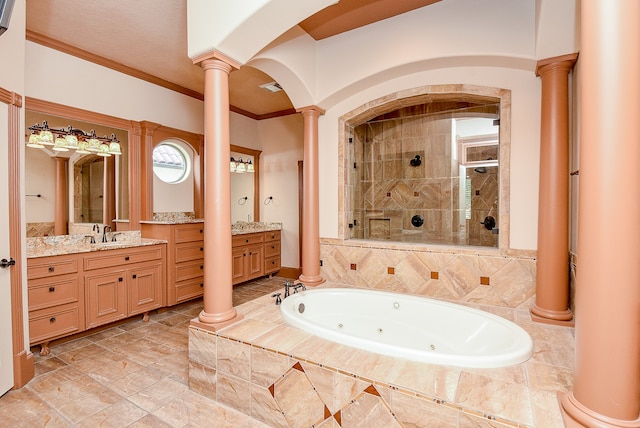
(218, 289)
(606, 390)
(310, 205)
(552, 278)
(60, 203)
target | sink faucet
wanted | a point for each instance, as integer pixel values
(104, 233)
(96, 228)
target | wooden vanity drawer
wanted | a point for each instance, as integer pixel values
(272, 235)
(42, 267)
(189, 251)
(189, 270)
(272, 249)
(122, 257)
(48, 292)
(272, 264)
(187, 290)
(50, 323)
(247, 239)
(189, 232)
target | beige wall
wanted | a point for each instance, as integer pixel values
(88, 86)
(282, 148)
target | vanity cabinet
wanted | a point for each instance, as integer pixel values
(255, 254)
(247, 254)
(272, 252)
(56, 298)
(71, 293)
(185, 258)
(124, 282)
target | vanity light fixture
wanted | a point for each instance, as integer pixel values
(71, 138)
(241, 166)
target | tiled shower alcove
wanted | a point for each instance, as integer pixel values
(285, 377)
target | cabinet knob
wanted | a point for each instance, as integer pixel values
(246, 240)
(51, 268)
(273, 247)
(120, 280)
(201, 285)
(52, 319)
(201, 267)
(52, 289)
(200, 230)
(134, 276)
(201, 249)
(126, 258)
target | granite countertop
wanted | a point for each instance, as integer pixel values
(74, 244)
(243, 227)
(174, 221)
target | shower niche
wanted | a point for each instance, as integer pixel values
(427, 173)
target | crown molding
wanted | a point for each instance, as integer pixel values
(49, 42)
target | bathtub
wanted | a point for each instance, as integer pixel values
(410, 327)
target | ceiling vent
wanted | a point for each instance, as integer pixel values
(271, 87)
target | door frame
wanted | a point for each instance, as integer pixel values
(23, 364)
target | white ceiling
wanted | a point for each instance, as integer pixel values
(150, 36)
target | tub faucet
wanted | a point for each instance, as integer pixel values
(287, 285)
(104, 233)
(298, 286)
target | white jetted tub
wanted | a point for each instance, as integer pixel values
(411, 327)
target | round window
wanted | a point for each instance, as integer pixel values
(170, 163)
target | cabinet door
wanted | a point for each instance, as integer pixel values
(255, 261)
(145, 289)
(106, 298)
(239, 270)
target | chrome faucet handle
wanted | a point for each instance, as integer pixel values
(278, 298)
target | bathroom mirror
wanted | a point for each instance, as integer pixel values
(93, 182)
(245, 185)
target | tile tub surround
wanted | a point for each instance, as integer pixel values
(461, 274)
(283, 376)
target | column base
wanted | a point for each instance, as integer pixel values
(311, 281)
(547, 316)
(215, 322)
(576, 415)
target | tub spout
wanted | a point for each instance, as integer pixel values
(287, 286)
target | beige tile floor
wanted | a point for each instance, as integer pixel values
(132, 375)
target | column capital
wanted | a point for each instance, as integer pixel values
(216, 55)
(311, 109)
(557, 62)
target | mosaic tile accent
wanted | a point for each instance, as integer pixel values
(453, 273)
